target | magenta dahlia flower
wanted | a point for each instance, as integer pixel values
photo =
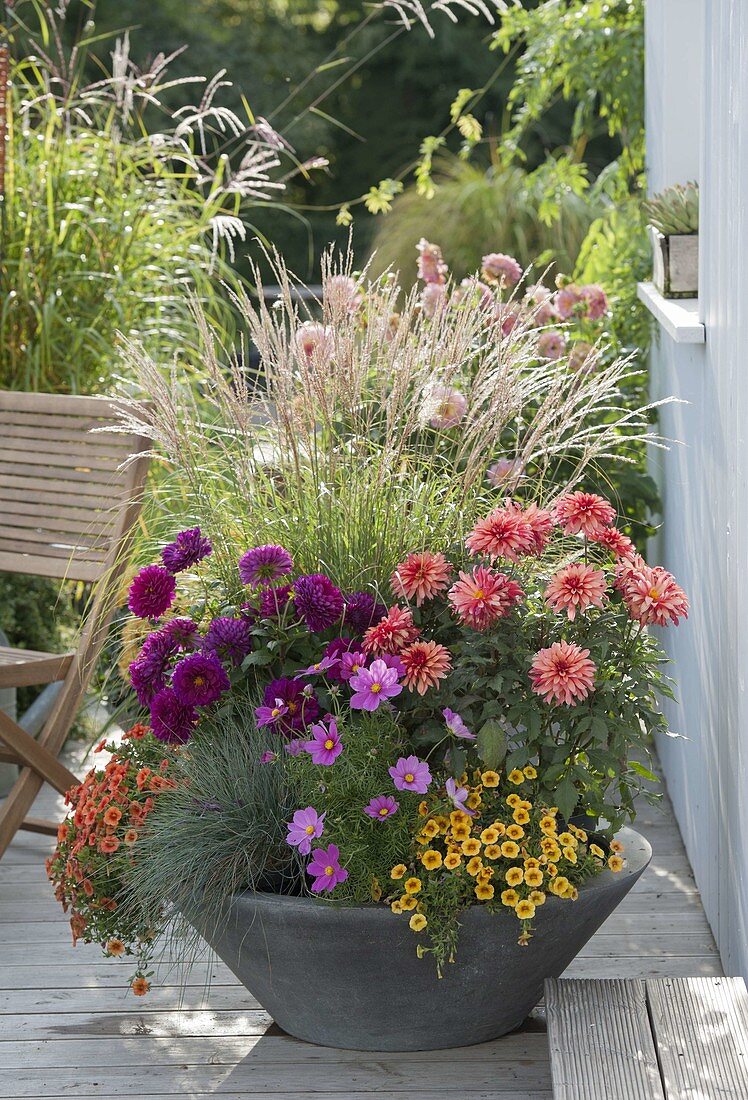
(326, 744)
(152, 592)
(188, 548)
(382, 807)
(229, 639)
(264, 564)
(304, 827)
(362, 611)
(318, 601)
(149, 670)
(411, 774)
(199, 679)
(172, 721)
(301, 704)
(325, 869)
(371, 686)
(274, 600)
(183, 632)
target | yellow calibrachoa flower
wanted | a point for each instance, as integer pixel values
(547, 824)
(515, 832)
(595, 850)
(552, 870)
(417, 922)
(423, 808)
(492, 851)
(500, 827)
(566, 840)
(458, 817)
(521, 815)
(397, 907)
(515, 776)
(412, 885)
(530, 772)
(533, 876)
(530, 861)
(490, 779)
(509, 897)
(514, 876)
(578, 833)
(407, 903)
(537, 897)
(615, 863)
(616, 846)
(489, 835)
(510, 849)
(513, 800)
(471, 846)
(442, 822)
(460, 832)
(559, 885)
(430, 829)
(431, 859)
(570, 855)
(473, 800)
(484, 891)
(452, 860)
(486, 873)
(525, 909)
(398, 871)
(474, 866)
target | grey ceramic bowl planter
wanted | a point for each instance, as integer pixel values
(350, 977)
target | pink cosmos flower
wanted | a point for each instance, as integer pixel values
(431, 265)
(382, 807)
(595, 299)
(566, 301)
(496, 267)
(271, 715)
(304, 827)
(351, 663)
(458, 796)
(483, 597)
(392, 633)
(325, 869)
(563, 673)
(314, 341)
(585, 512)
(268, 757)
(421, 576)
(433, 298)
(456, 726)
(505, 533)
(502, 470)
(425, 663)
(326, 745)
(373, 685)
(446, 407)
(652, 595)
(575, 588)
(551, 344)
(411, 774)
(319, 668)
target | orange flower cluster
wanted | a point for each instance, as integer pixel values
(95, 844)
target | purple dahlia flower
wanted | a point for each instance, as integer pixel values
(199, 679)
(183, 632)
(302, 707)
(362, 611)
(188, 548)
(274, 600)
(318, 601)
(148, 671)
(263, 564)
(172, 721)
(152, 592)
(230, 639)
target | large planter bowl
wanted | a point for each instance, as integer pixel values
(350, 977)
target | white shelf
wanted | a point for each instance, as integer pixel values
(678, 316)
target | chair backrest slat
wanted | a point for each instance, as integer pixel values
(62, 485)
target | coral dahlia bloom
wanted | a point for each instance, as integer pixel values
(482, 597)
(505, 533)
(445, 407)
(551, 344)
(426, 663)
(563, 673)
(615, 540)
(421, 577)
(575, 588)
(582, 512)
(540, 522)
(431, 265)
(654, 596)
(497, 267)
(392, 633)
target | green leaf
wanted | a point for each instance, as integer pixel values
(491, 743)
(566, 797)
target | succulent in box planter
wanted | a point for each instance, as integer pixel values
(673, 217)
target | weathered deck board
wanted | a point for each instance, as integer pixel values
(69, 1027)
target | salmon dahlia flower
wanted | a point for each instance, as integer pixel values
(425, 663)
(421, 577)
(583, 512)
(563, 673)
(482, 597)
(504, 533)
(392, 633)
(653, 596)
(575, 588)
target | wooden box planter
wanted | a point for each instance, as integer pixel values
(675, 263)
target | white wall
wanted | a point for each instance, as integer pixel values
(704, 481)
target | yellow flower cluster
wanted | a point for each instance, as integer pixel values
(504, 849)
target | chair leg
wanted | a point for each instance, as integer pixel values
(18, 803)
(35, 755)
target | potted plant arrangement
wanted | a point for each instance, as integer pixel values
(385, 754)
(673, 216)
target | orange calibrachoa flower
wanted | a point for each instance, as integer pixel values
(97, 843)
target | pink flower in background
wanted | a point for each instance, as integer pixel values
(583, 512)
(343, 294)
(326, 744)
(566, 301)
(502, 470)
(322, 666)
(446, 407)
(653, 596)
(421, 576)
(595, 299)
(304, 827)
(392, 633)
(274, 600)
(411, 774)
(382, 807)
(615, 540)
(314, 341)
(539, 300)
(507, 316)
(551, 344)
(433, 298)
(351, 663)
(496, 267)
(504, 533)
(563, 673)
(431, 265)
(483, 597)
(575, 588)
(456, 726)
(425, 663)
(372, 686)
(579, 354)
(473, 292)
(325, 869)
(271, 715)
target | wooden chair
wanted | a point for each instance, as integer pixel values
(67, 510)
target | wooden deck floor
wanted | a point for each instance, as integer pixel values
(68, 1028)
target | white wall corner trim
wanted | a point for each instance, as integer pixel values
(678, 316)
